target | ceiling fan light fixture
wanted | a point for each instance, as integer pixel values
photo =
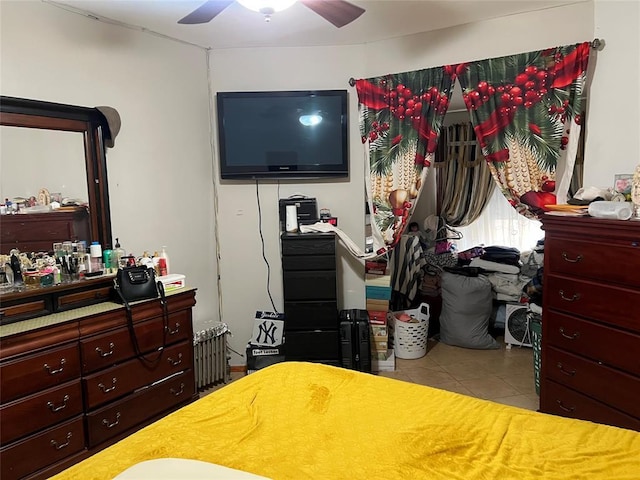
(266, 7)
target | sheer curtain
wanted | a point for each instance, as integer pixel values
(500, 224)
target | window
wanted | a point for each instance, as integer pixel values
(500, 224)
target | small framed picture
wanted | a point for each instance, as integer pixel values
(622, 183)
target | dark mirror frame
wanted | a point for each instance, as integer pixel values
(21, 112)
(26, 303)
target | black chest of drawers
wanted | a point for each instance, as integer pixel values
(310, 297)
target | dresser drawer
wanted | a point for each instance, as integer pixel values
(309, 262)
(80, 299)
(615, 388)
(309, 285)
(559, 400)
(105, 350)
(312, 244)
(126, 377)
(122, 415)
(598, 342)
(36, 412)
(601, 262)
(38, 451)
(39, 371)
(311, 315)
(602, 302)
(35, 308)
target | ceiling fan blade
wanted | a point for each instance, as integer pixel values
(338, 12)
(205, 12)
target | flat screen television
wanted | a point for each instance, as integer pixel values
(288, 134)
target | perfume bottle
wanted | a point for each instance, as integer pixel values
(635, 193)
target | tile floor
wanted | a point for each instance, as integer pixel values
(503, 376)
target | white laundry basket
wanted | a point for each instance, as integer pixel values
(410, 338)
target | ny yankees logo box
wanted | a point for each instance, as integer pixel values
(268, 328)
(266, 346)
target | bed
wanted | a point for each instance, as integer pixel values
(297, 420)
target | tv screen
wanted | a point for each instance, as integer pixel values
(293, 134)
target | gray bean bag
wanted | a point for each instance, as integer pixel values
(466, 310)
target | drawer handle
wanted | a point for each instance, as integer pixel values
(573, 298)
(108, 424)
(568, 373)
(175, 362)
(106, 389)
(177, 393)
(566, 409)
(60, 446)
(102, 353)
(53, 407)
(571, 260)
(573, 336)
(175, 330)
(56, 370)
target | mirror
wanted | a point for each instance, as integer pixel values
(51, 149)
(33, 160)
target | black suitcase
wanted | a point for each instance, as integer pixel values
(355, 340)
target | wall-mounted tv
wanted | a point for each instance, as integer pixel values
(288, 134)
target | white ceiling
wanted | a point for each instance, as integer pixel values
(298, 26)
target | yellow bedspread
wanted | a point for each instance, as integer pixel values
(308, 421)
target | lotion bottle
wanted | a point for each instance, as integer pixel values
(163, 254)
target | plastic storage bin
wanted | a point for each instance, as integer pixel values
(410, 339)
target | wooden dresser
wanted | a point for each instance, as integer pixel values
(72, 383)
(591, 320)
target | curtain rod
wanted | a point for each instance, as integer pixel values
(596, 44)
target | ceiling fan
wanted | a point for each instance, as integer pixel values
(338, 12)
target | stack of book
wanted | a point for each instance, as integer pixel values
(378, 295)
(382, 357)
(378, 292)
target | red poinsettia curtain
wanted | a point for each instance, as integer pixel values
(400, 120)
(525, 110)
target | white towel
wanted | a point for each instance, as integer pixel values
(350, 244)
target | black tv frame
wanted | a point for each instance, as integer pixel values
(251, 172)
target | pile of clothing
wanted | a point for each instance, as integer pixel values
(501, 266)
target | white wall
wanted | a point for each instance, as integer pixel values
(613, 119)
(242, 268)
(160, 171)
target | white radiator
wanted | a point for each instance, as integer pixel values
(210, 356)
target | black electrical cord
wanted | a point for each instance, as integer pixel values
(264, 256)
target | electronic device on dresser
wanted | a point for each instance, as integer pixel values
(306, 209)
(310, 297)
(591, 320)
